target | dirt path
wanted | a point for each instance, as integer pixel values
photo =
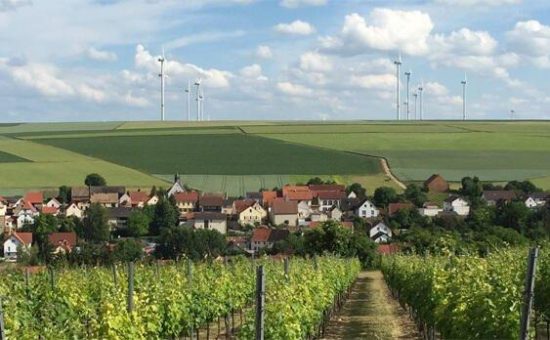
(371, 313)
(387, 172)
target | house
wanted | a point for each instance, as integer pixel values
(430, 209)
(352, 195)
(239, 205)
(49, 210)
(186, 201)
(53, 203)
(494, 197)
(176, 187)
(537, 199)
(304, 211)
(252, 215)
(380, 233)
(228, 207)
(394, 208)
(62, 243)
(125, 201)
(138, 199)
(436, 183)
(265, 238)
(107, 200)
(329, 199)
(25, 214)
(284, 212)
(80, 194)
(211, 202)
(36, 198)
(298, 193)
(117, 217)
(3, 206)
(153, 200)
(17, 241)
(367, 210)
(255, 195)
(268, 197)
(211, 221)
(335, 214)
(74, 210)
(457, 205)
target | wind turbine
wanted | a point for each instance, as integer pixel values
(398, 74)
(162, 59)
(415, 95)
(421, 94)
(464, 97)
(198, 85)
(408, 74)
(512, 114)
(188, 91)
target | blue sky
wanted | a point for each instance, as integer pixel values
(82, 60)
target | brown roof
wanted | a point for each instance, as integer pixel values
(49, 210)
(268, 197)
(209, 216)
(436, 183)
(283, 207)
(187, 196)
(294, 188)
(499, 195)
(333, 194)
(326, 187)
(111, 198)
(299, 195)
(386, 249)
(25, 238)
(65, 240)
(139, 197)
(241, 205)
(80, 193)
(261, 234)
(211, 200)
(34, 197)
(395, 207)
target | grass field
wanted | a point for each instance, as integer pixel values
(236, 156)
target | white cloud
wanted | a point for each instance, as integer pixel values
(463, 42)
(6, 5)
(297, 27)
(374, 81)
(211, 77)
(531, 40)
(264, 52)
(300, 3)
(435, 88)
(315, 62)
(90, 93)
(253, 72)
(296, 90)
(99, 55)
(478, 2)
(132, 100)
(40, 77)
(384, 29)
(200, 38)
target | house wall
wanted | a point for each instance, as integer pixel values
(219, 225)
(250, 216)
(73, 211)
(367, 210)
(292, 219)
(429, 212)
(10, 247)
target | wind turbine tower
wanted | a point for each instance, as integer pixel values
(512, 114)
(398, 74)
(464, 82)
(421, 95)
(198, 85)
(188, 91)
(161, 60)
(408, 103)
(415, 95)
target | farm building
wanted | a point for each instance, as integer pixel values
(211, 221)
(457, 205)
(394, 208)
(284, 212)
(62, 243)
(436, 183)
(265, 238)
(537, 199)
(186, 201)
(493, 197)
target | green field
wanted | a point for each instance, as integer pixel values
(236, 157)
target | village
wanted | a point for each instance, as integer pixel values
(253, 223)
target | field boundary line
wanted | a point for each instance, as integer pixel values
(389, 173)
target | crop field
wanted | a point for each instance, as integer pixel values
(236, 157)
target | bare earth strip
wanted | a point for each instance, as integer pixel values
(387, 171)
(371, 313)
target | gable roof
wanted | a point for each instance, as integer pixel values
(119, 212)
(453, 198)
(65, 240)
(34, 197)
(207, 215)
(434, 177)
(539, 195)
(318, 188)
(261, 234)
(104, 198)
(138, 197)
(395, 207)
(49, 210)
(211, 200)
(299, 195)
(499, 195)
(283, 207)
(268, 197)
(24, 238)
(242, 205)
(331, 194)
(188, 196)
(386, 249)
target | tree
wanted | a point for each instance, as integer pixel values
(128, 250)
(44, 225)
(95, 180)
(64, 194)
(175, 242)
(315, 181)
(472, 189)
(513, 215)
(384, 196)
(358, 190)
(138, 223)
(96, 227)
(415, 194)
(524, 186)
(165, 215)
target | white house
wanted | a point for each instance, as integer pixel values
(74, 210)
(430, 209)
(457, 205)
(536, 200)
(380, 233)
(175, 188)
(25, 215)
(211, 221)
(352, 195)
(252, 215)
(3, 208)
(53, 203)
(153, 200)
(17, 241)
(367, 210)
(304, 210)
(336, 214)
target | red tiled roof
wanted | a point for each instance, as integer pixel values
(25, 238)
(333, 194)
(395, 207)
(34, 197)
(282, 207)
(211, 200)
(241, 205)
(139, 197)
(66, 240)
(326, 187)
(299, 195)
(261, 234)
(188, 196)
(49, 210)
(387, 249)
(295, 188)
(268, 197)
(28, 206)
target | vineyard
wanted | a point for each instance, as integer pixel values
(173, 300)
(468, 297)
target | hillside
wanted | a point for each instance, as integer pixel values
(238, 156)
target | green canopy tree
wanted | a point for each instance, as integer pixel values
(95, 180)
(96, 227)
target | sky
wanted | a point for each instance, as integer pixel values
(97, 60)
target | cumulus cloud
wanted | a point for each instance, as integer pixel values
(315, 62)
(295, 90)
(374, 81)
(463, 42)
(531, 40)
(436, 89)
(478, 2)
(300, 3)
(253, 72)
(99, 55)
(264, 52)
(297, 27)
(384, 29)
